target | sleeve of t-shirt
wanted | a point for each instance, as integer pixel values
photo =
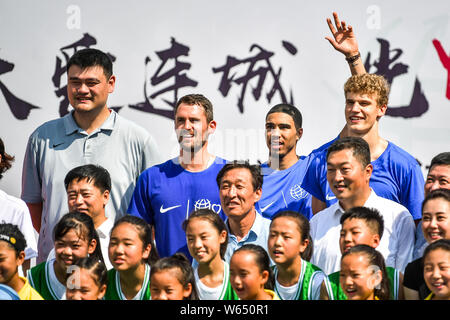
(412, 193)
(26, 226)
(314, 174)
(150, 154)
(140, 204)
(404, 228)
(410, 278)
(31, 180)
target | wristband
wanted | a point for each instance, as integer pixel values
(353, 58)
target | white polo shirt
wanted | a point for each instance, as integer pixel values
(396, 245)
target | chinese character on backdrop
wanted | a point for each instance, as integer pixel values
(19, 108)
(388, 66)
(161, 90)
(259, 67)
(61, 69)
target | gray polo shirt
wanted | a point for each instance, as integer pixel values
(119, 145)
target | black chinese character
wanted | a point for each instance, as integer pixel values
(258, 66)
(390, 69)
(19, 108)
(177, 75)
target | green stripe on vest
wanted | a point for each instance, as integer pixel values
(37, 278)
(338, 292)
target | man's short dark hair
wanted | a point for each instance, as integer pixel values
(442, 158)
(90, 57)
(197, 99)
(359, 146)
(289, 110)
(371, 216)
(97, 174)
(255, 171)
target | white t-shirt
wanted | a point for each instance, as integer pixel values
(208, 293)
(13, 210)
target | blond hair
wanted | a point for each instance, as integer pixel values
(369, 84)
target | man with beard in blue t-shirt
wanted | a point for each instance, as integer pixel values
(167, 193)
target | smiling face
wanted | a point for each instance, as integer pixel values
(192, 127)
(438, 178)
(285, 242)
(436, 220)
(356, 231)
(71, 247)
(84, 196)
(88, 88)
(437, 273)
(9, 262)
(126, 250)
(356, 277)
(204, 240)
(88, 289)
(281, 134)
(347, 178)
(236, 192)
(164, 285)
(246, 278)
(362, 112)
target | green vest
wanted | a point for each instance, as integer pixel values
(114, 290)
(39, 279)
(307, 273)
(337, 293)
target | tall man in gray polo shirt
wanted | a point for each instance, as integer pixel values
(91, 133)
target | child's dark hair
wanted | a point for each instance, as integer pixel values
(371, 216)
(215, 220)
(6, 159)
(96, 268)
(375, 258)
(13, 236)
(262, 261)
(304, 228)
(443, 244)
(144, 232)
(84, 227)
(186, 274)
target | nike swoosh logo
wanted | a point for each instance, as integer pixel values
(57, 144)
(267, 207)
(164, 210)
(328, 197)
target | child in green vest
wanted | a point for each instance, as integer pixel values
(250, 274)
(88, 280)
(290, 246)
(207, 239)
(74, 238)
(361, 225)
(131, 253)
(363, 274)
(172, 278)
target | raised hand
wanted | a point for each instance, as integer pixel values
(344, 39)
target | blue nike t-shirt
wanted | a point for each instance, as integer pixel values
(282, 190)
(396, 176)
(166, 194)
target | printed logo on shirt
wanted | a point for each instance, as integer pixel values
(206, 204)
(267, 207)
(164, 210)
(298, 192)
(330, 197)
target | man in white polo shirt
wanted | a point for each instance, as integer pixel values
(91, 133)
(348, 174)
